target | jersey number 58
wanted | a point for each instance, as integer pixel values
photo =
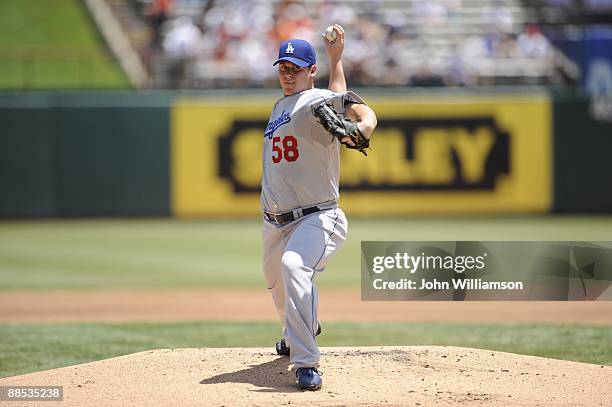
(287, 148)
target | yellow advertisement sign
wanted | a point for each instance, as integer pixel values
(440, 155)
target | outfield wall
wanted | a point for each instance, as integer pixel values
(64, 156)
(157, 154)
(583, 157)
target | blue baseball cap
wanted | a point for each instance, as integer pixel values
(299, 52)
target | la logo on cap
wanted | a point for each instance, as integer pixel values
(296, 51)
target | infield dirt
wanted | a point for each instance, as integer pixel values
(53, 306)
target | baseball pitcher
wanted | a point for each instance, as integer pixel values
(303, 226)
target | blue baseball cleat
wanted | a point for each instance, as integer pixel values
(309, 378)
(282, 348)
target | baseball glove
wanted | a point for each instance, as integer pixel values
(339, 126)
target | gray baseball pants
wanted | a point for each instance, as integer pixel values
(292, 255)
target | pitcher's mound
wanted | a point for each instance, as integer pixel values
(408, 375)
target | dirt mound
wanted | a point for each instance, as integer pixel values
(407, 375)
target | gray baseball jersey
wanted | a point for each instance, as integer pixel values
(301, 163)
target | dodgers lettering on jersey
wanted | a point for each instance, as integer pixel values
(276, 123)
(301, 161)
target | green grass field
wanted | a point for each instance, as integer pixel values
(53, 44)
(29, 348)
(167, 253)
(170, 253)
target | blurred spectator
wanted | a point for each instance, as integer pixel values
(181, 44)
(507, 47)
(159, 11)
(430, 12)
(395, 43)
(532, 43)
(293, 21)
(464, 59)
(183, 39)
(499, 17)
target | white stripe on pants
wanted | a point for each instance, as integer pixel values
(292, 254)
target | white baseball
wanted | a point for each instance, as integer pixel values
(330, 34)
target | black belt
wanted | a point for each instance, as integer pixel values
(283, 218)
